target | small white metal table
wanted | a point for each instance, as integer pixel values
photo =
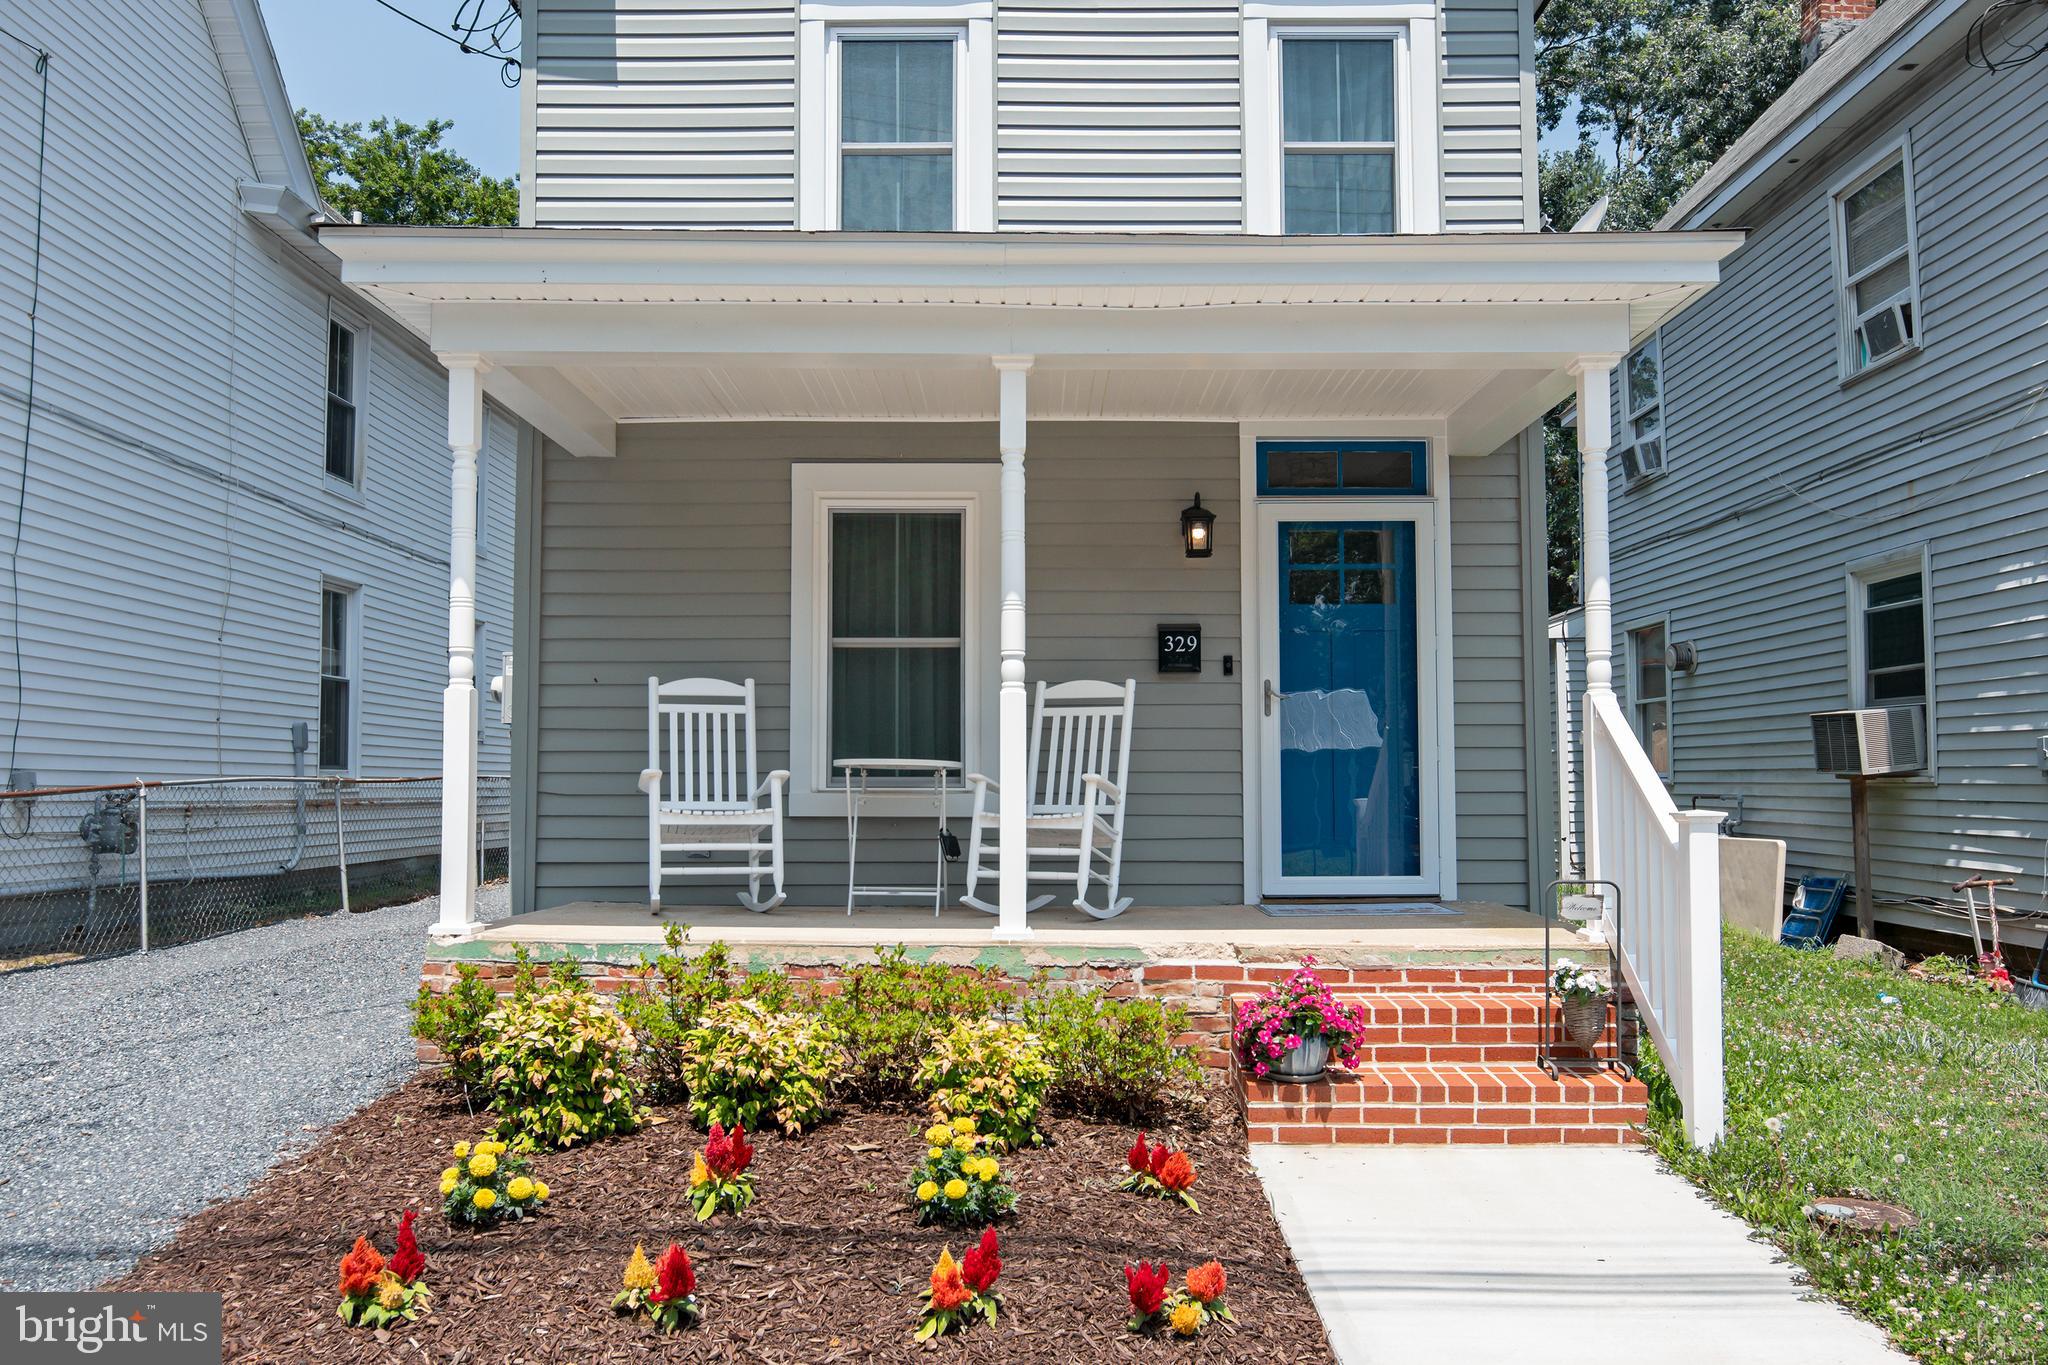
(942, 772)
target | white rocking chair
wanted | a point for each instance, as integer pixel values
(1080, 766)
(702, 797)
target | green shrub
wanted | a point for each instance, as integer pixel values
(745, 1061)
(556, 1063)
(1113, 1059)
(454, 1023)
(889, 1012)
(678, 991)
(992, 1072)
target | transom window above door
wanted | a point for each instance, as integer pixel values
(1338, 135)
(897, 97)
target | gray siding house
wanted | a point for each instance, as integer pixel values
(228, 509)
(1007, 286)
(1832, 475)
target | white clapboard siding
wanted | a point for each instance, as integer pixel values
(1780, 476)
(1488, 98)
(178, 522)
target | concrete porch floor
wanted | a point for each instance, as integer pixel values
(1400, 931)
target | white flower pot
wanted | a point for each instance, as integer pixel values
(1304, 1063)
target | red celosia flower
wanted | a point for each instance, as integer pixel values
(728, 1154)
(674, 1276)
(1138, 1158)
(360, 1269)
(1147, 1285)
(982, 1263)
(406, 1260)
(949, 1287)
(1159, 1155)
(1177, 1173)
(1206, 1282)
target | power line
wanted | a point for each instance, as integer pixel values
(28, 409)
(477, 37)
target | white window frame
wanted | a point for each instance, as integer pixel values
(352, 323)
(816, 492)
(1899, 152)
(1637, 701)
(1857, 579)
(352, 670)
(1418, 137)
(823, 24)
(1630, 413)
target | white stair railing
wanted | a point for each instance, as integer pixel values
(1667, 863)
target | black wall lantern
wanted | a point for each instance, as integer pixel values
(1198, 530)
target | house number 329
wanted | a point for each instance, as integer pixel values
(1180, 649)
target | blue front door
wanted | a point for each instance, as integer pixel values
(1345, 710)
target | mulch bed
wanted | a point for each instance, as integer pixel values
(826, 1266)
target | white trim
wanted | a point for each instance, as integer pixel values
(1635, 701)
(1875, 163)
(821, 23)
(816, 489)
(1857, 576)
(1252, 615)
(1418, 134)
(340, 315)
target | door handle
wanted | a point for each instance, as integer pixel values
(1272, 695)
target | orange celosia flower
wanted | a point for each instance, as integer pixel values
(360, 1269)
(1206, 1282)
(949, 1288)
(1178, 1173)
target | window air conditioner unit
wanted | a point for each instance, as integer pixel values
(1876, 742)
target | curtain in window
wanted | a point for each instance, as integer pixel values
(897, 584)
(1337, 127)
(896, 94)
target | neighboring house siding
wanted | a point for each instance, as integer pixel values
(1780, 477)
(659, 115)
(177, 523)
(1489, 557)
(1488, 116)
(1118, 117)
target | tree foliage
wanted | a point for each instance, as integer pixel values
(397, 172)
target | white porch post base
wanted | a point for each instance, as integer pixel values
(459, 702)
(1013, 883)
(458, 915)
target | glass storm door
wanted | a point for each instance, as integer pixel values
(1346, 696)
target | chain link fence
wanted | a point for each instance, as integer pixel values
(94, 871)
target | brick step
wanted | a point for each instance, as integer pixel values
(1498, 1104)
(1454, 1026)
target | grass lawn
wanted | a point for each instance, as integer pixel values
(1938, 1103)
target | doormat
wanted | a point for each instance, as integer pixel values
(1317, 909)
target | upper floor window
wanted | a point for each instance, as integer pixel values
(1642, 394)
(896, 131)
(1337, 135)
(1876, 264)
(345, 345)
(1649, 693)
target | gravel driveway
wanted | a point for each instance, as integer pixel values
(136, 1090)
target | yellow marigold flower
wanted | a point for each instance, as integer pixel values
(484, 1197)
(936, 1152)
(520, 1190)
(938, 1132)
(451, 1173)
(956, 1188)
(448, 1183)
(700, 1174)
(1186, 1318)
(461, 1150)
(481, 1167)
(390, 1293)
(963, 1143)
(964, 1125)
(988, 1169)
(928, 1191)
(639, 1273)
(540, 1190)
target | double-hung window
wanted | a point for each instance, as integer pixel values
(344, 401)
(1892, 606)
(1650, 694)
(897, 120)
(337, 676)
(1642, 391)
(1338, 135)
(1879, 275)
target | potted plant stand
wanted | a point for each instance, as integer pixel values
(1576, 1032)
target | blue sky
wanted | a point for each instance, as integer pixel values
(354, 60)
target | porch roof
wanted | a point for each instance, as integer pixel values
(586, 328)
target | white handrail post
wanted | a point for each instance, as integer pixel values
(1013, 757)
(1703, 1088)
(459, 702)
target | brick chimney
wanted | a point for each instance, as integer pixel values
(1823, 23)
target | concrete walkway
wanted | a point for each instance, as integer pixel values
(1424, 1255)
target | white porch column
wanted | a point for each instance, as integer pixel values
(459, 702)
(1596, 435)
(1013, 755)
